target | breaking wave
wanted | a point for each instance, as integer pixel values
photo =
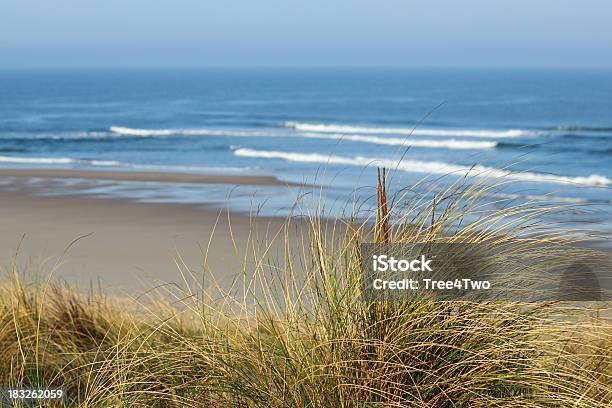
(444, 144)
(432, 167)
(126, 131)
(56, 160)
(489, 133)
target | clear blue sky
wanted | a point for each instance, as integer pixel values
(305, 32)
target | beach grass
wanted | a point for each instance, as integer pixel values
(308, 339)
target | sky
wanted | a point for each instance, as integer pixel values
(560, 33)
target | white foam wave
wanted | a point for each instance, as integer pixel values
(57, 160)
(37, 160)
(110, 163)
(126, 131)
(113, 163)
(443, 144)
(433, 167)
(484, 133)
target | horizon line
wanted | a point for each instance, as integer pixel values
(299, 66)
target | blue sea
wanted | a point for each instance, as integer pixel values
(545, 134)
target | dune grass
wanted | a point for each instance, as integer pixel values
(307, 339)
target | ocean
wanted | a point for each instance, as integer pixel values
(545, 134)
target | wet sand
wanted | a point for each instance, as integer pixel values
(143, 176)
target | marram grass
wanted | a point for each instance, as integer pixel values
(307, 339)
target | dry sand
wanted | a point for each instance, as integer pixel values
(127, 246)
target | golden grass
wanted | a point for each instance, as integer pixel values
(308, 340)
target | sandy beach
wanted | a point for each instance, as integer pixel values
(124, 245)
